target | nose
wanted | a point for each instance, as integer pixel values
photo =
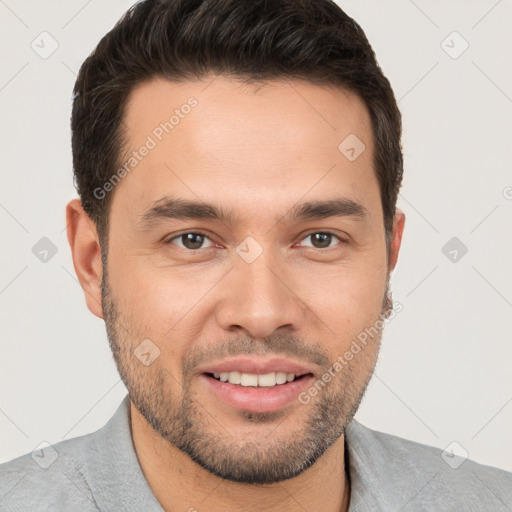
(259, 299)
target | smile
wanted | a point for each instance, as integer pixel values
(266, 380)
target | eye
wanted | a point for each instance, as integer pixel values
(190, 240)
(322, 240)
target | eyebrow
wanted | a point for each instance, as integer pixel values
(181, 209)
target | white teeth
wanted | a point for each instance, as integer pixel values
(281, 377)
(249, 379)
(235, 377)
(266, 380)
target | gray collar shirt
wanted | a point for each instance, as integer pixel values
(100, 471)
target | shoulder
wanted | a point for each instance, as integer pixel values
(49, 478)
(98, 471)
(423, 477)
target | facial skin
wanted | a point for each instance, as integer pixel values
(256, 153)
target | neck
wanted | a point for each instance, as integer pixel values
(179, 483)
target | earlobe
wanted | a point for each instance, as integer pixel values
(85, 249)
(396, 239)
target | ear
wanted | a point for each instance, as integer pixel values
(85, 249)
(396, 239)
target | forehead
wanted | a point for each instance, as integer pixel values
(252, 146)
(300, 111)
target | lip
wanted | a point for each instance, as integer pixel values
(258, 366)
(257, 399)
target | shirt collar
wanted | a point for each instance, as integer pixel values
(117, 478)
(380, 472)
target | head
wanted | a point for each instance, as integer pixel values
(238, 166)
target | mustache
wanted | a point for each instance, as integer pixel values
(276, 345)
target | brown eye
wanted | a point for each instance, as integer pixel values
(321, 240)
(192, 241)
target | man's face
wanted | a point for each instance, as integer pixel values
(271, 288)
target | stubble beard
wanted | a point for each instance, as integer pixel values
(255, 459)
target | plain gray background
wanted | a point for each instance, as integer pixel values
(444, 370)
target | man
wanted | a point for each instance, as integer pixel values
(238, 165)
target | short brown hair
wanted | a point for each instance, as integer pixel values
(313, 40)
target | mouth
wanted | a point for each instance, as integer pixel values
(266, 380)
(255, 385)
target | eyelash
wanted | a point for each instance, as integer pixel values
(200, 233)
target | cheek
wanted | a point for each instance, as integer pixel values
(157, 297)
(165, 305)
(347, 300)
